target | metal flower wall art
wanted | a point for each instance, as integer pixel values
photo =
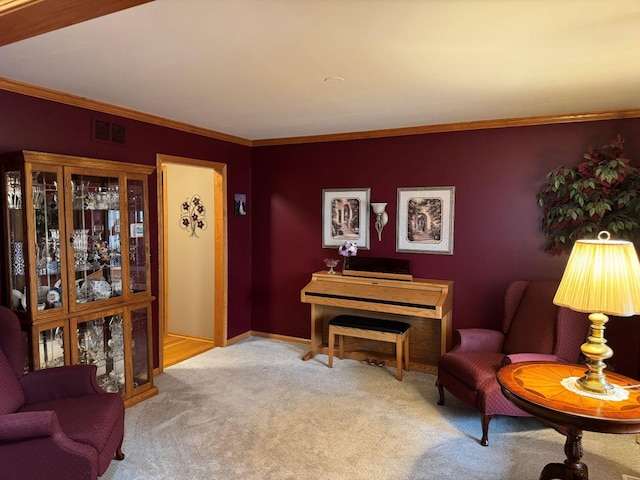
(192, 216)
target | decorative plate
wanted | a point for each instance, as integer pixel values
(101, 289)
(54, 296)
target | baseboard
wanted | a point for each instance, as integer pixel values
(193, 337)
(238, 338)
(275, 336)
(285, 338)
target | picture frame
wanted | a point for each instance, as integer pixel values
(345, 217)
(425, 219)
(240, 204)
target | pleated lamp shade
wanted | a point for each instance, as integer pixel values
(601, 276)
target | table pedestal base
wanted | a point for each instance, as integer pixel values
(572, 468)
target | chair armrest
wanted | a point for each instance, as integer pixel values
(18, 427)
(530, 357)
(479, 340)
(33, 442)
(59, 382)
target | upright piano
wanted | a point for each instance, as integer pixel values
(382, 288)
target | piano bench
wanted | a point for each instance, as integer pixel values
(371, 329)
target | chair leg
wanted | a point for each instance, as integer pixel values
(399, 355)
(485, 429)
(341, 346)
(119, 455)
(406, 351)
(441, 392)
(332, 340)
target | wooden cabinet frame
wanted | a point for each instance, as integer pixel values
(27, 221)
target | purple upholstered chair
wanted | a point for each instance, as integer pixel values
(533, 329)
(55, 423)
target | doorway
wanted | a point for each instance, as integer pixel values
(192, 225)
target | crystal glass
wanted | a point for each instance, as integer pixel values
(101, 343)
(331, 263)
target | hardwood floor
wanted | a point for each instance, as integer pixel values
(178, 348)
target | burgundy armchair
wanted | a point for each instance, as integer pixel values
(55, 423)
(533, 329)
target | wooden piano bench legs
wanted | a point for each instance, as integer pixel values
(371, 329)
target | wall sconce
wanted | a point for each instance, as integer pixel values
(381, 217)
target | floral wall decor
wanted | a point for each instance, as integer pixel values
(193, 214)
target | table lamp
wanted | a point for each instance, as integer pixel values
(602, 278)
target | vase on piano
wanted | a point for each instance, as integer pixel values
(347, 249)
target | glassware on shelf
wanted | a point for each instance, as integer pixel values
(14, 190)
(102, 198)
(101, 343)
(47, 236)
(331, 263)
(38, 195)
(137, 236)
(115, 351)
(80, 246)
(53, 260)
(98, 230)
(17, 259)
(91, 342)
(51, 345)
(114, 198)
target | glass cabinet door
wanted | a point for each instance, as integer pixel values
(100, 342)
(95, 238)
(137, 236)
(140, 346)
(48, 258)
(17, 247)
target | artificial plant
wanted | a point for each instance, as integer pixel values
(601, 193)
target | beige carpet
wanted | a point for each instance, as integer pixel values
(255, 411)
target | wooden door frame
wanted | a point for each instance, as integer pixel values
(220, 296)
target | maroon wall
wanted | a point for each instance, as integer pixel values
(496, 174)
(28, 123)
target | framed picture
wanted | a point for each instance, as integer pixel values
(240, 204)
(345, 216)
(425, 220)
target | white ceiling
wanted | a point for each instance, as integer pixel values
(255, 69)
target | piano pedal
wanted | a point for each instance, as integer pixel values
(367, 361)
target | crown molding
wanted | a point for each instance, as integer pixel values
(456, 127)
(68, 99)
(76, 101)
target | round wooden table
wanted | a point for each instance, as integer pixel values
(535, 388)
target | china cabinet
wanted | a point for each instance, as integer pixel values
(76, 265)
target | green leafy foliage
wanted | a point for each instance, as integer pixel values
(601, 193)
